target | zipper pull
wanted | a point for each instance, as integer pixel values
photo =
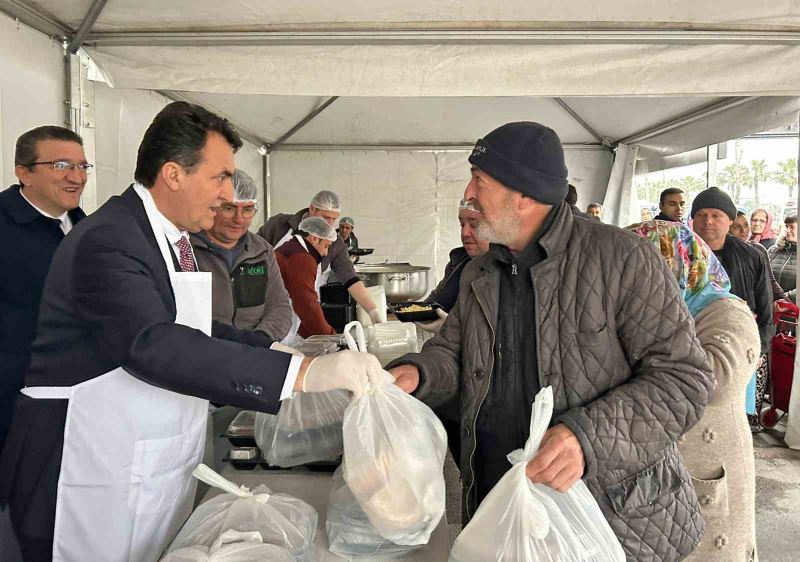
(513, 269)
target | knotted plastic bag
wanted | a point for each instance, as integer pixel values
(394, 450)
(232, 546)
(349, 531)
(524, 522)
(281, 519)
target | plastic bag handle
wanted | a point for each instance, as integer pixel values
(541, 413)
(205, 474)
(231, 536)
(351, 343)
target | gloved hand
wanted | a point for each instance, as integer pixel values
(375, 316)
(277, 346)
(434, 325)
(346, 370)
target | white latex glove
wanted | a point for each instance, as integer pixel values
(277, 346)
(375, 316)
(434, 325)
(346, 370)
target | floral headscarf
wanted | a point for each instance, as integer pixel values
(768, 233)
(700, 274)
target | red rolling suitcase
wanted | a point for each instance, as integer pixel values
(782, 366)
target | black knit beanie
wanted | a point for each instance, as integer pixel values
(526, 157)
(714, 198)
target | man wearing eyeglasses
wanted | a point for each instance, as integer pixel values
(247, 289)
(35, 215)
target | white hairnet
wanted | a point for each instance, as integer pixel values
(244, 188)
(347, 220)
(316, 226)
(326, 201)
(465, 205)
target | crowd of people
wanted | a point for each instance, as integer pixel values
(654, 338)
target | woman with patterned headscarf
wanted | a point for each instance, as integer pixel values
(761, 228)
(719, 450)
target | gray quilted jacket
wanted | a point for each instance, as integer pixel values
(618, 345)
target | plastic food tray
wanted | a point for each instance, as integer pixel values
(423, 316)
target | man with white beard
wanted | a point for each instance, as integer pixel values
(592, 312)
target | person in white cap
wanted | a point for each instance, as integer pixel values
(326, 205)
(299, 260)
(247, 289)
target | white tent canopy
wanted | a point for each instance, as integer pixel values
(405, 88)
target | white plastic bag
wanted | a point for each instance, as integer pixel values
(232, 546)
(308, 428)
(349, 531)
(378, 295)
(394, 450)
(281, 519)
(524, 522)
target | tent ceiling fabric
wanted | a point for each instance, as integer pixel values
(459, 70)
(130, 15)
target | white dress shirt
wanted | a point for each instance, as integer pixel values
(174, 234)
(66, 222)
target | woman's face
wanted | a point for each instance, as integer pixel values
(647, 215)
(791, 232)
(758, 222)
(740, 229)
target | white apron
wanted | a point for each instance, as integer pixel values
(125, 486)
(292, 339)
(792, 437)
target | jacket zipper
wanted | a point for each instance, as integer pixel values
(478, 411)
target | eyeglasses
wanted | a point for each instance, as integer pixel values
(229, 211)
(64, 165)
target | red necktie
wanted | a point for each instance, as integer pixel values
(185, 257)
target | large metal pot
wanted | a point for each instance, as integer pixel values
(401, 281)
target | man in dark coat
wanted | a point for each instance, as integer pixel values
(35, 215)
(671, 204)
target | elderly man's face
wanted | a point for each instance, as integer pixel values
(61, 190)
(329, 216)
(232, 220)
(596, 212)
(496, 203)
(473, 244)
(345, 230)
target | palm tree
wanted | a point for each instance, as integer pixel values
(759, 173)
(734, 177)
(691, 185)
(787, 174)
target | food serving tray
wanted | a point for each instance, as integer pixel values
(419, 316)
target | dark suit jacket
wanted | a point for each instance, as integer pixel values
(108, 302)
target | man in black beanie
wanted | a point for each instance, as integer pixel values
(586, 309)
(713, 212)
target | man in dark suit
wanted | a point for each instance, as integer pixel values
(35, 214)
(123, 341)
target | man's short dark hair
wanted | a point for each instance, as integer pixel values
(25, 153)
(667, 192)
(572, 195)
(791, 219)
(594, 206)
(178, 134)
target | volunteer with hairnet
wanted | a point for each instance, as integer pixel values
(299, 260)
(345, 230)
(247, 289)
(325, 205)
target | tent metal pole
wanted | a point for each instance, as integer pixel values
(86, 25)
(267, 184)
(422, 147)
(407, 36)
(303, 122)
(579, 119)
(696, 115)
(34, 19)
(244, 133)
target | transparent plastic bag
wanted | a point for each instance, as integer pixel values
(308, 428)
(391, 340)
(394, 448)
(524, 522)
(281, 519)
(349, 531)
(232, 546)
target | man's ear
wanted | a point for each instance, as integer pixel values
(172, 173)
(22, 174)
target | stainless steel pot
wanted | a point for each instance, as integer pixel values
(401, 281)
